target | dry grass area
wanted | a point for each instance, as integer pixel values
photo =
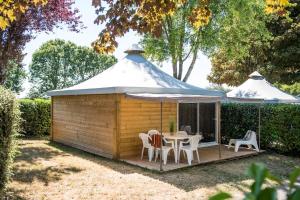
(46, 170)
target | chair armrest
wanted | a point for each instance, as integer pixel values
(169, 142)
(183, 142)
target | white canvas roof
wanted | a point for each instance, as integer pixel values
(134, 74)
(257, 87)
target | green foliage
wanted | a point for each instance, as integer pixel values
(280, 124)
(9, 128)
(180, 42)
(293, 89)
(171, 126)
(260, 174)
(59, 64)
(252, 40)
(243, 36)
(36, 115)
(15, 77)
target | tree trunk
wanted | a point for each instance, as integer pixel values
(188, 73)
(174, 66)
(2, 74)
(181, 42)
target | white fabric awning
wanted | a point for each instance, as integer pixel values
(187, 98)
(257, 87)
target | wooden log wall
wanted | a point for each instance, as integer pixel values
(87, 122)
(136, 116)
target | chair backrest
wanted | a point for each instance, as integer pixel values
(145, 139)
(252, 136)
(183, 133)
(194, 141)
(187, 129)
(153, 132)
(247, 135)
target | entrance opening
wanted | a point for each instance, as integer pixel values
(198, 118)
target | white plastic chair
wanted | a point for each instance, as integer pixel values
(153, 132)
(165, 150)
(249, 140)
(189, 149)
(146, 144)
(183, 133)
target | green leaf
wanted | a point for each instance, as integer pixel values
(220, 196)
(295, 195)
(293, 177)
(259, 173)
(267, 193)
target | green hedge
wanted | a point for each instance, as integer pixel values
(9, 128)
(36, 115)
(280, 124)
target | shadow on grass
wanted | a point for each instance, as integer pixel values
(28, 168)
(45, 175)
(187, 179)
(230, 172)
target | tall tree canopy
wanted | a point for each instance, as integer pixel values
(267, 43)
(11, 10)
(58, 64)
(143, 16)
(34, 16)
(15, 77)
(173, 29)
(180, 42)
(147, 16)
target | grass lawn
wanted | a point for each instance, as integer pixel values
(46, 170)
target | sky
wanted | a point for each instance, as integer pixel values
(89, 34)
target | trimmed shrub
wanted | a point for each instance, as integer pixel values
(9, 128)
(36, 115)
(280, 124)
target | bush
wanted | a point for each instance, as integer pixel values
(280, 124)
(9, 128)
(36, 115)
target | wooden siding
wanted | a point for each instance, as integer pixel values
(87, 122)
(136, 116)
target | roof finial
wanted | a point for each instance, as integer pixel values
(255, 75)
(134, 49)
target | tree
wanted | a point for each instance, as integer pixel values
(180, 42)
(274, 52)
(58, 64)
(293, 89)
(147, 17)
(143, 16)
(32, 19)
(11, 10)
(172, 24)
(15, 77)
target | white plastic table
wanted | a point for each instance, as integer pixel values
(175, 137)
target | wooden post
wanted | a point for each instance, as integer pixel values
(51, 128)
(161, 140)
(116, 135)
(219, 127)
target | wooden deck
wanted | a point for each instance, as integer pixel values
(206, 154)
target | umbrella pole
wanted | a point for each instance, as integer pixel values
(161, 140)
